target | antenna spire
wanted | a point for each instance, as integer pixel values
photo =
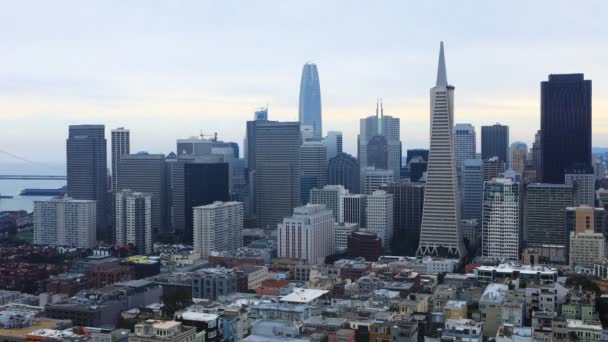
(442, 75)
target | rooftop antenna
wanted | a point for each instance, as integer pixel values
(377, 107)
(381, 108)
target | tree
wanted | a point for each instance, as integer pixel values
(174, 301)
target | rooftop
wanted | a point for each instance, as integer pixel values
(300, 295)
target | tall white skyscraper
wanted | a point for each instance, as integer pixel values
(329, 195)
(133, 220)
(307, 235)
(65, 222)
(379, 214)
(501, 219)
(373, 128)
(374, 178)
(440, 230)
(218, 227)
(121, 145)
(464, 142)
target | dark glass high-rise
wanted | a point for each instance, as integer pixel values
(565, 125)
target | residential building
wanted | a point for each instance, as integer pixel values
(490, 307)
(218, 227)
(586, 249)
(584, 219)
(211, 283)
(440, 229)
(157, 331)
(133, 220)
(65, 222)
(501, 222)
(307, 235)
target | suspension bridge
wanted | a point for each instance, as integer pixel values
(28, 176)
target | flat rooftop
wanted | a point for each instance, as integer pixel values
(300, 295)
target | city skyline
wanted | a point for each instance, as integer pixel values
(117, 80)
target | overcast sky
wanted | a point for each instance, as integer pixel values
(169, 69)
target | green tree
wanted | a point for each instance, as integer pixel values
(174, 301)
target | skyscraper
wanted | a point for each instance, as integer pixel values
(440, 230)
(353, 209)
(377, 152)
(310, 100)
(333, 143)
(218, 227)
(519, 157)
(277, 171)
(313, 166)
(492, 167)
(565, 124)
(343, 169)
(408, 200)
(501, 219)
(464, 142)
(308, 234)
(584, 181)
(379, 216)
(374, 178)
(495, 142)
(87, 170)
(147, 173)
(65, 222)
(196, 181)
(384, 126)
(330, 196)
(584, 219)
(472, 189)
(133, 221)
(535, 156)
(121, 145)
(545, 213)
